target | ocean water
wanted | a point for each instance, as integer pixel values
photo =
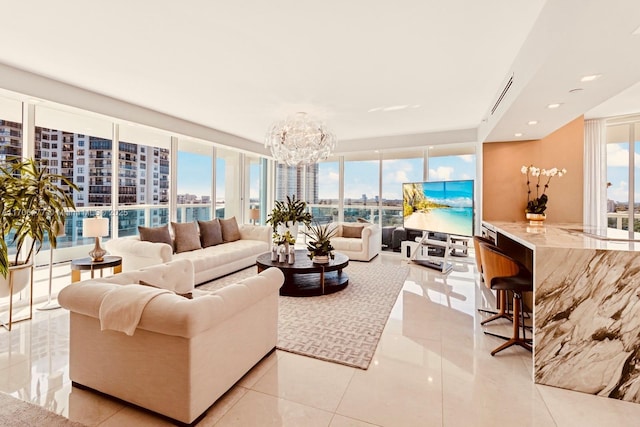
(445, 220)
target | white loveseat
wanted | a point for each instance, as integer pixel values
(185, 353)
(209, 263)
(364, 246)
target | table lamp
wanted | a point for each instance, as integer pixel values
(96, 227)
(254, 214)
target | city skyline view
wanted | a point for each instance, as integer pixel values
(618, 172)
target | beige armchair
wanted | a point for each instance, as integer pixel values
(358, 241)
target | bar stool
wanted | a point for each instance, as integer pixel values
(504, 273)
(502, 312)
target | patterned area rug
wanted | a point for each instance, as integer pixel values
(343, 327)
(18, 413)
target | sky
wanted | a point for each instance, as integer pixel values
(195, 174)
(362, 177)
(618, 172)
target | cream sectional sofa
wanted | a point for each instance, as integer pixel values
(184, 353)
(209, 263)
(358, 247)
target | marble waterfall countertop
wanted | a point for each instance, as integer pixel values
(564, 235)
(586, 308)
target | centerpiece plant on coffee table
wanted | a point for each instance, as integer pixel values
(285, 216)
(320, 245)
(285, 239)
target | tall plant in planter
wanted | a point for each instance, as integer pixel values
(33, 205)
(288, 214)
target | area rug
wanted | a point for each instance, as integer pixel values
(18, 413)
(343, 327)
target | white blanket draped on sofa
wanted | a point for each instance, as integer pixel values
(122, 307)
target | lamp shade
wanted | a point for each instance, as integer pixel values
(95, 227)
(254, 214)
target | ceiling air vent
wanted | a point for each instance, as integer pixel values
(502, 94)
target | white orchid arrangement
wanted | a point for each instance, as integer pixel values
(539, 203)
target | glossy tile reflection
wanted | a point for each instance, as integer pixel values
(432, 368)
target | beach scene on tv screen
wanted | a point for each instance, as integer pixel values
(439, 206)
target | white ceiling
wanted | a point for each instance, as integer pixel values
(238, 66)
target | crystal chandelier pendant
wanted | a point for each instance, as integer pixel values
(300, 140)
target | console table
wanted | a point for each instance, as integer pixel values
(586, 305)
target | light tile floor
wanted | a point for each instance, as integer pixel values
(432, 368)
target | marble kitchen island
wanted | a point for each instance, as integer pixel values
(586, 306)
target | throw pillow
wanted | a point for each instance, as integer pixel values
(156, 234)
(230, 230)
(352, 231)
(210, 233)
(186, 236)
(188, 295)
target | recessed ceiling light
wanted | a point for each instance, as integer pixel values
(518, 134)
(552, 106)
(532, 122)
(590, 77)
(395, 108)
(431, 147)
(373, 110)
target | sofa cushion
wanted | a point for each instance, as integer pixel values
(156, 234)
(230, 230)
(347, 244)
(188, 295)
(215, 256)
(186, 236)
(352, 231)
(210, 233)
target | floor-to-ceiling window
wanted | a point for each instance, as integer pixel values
(144, 164)
(255, 188)
(623, 175)
(10, 129)
(289, 181)
(361, 187)
(398, 168)
(80, 148)
(228, 183)
(323, 190)
(194, 181)
(451, 162)
(10, 140)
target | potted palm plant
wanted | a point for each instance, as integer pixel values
(319, 247)
(33, 206)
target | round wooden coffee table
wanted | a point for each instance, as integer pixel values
(305, 278)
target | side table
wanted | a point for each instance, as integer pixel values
(83, 264)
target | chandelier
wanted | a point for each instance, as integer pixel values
(300, 140)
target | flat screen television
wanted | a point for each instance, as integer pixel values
(439, 206)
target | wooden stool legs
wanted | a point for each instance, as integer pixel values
(502, 309)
